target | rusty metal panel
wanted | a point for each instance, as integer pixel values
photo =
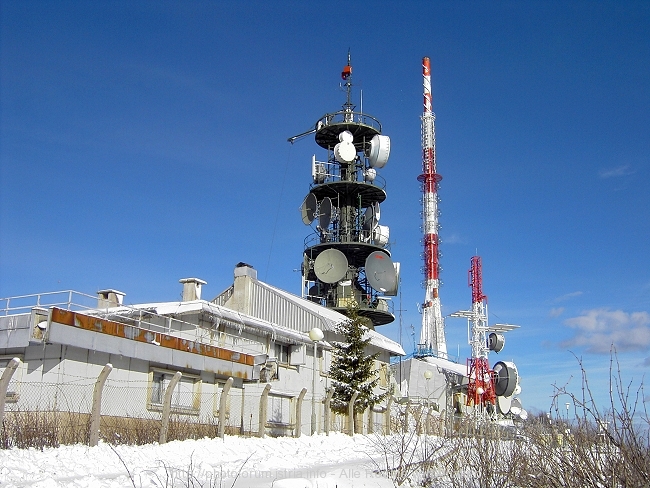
(189, 361)
(97, 334)
(117, 329)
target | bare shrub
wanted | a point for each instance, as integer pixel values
(607, 447)
(131, 431)
(40, 429)
(181, 428)
(411, 455)
(603, 447)
(486, 457)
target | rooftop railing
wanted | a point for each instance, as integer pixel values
(140, 318)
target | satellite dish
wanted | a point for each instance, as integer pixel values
(377, 210)
(380, 272)
(345, 152)
(331, 266)
(393, 293)
(523, 415)
(369, 219)
(308, 209)
(346, 136)
(379, 151)
(496, 342)
(505, 378)
(370, 175)
(515, 408)
(380, 235)
(325, 213)
(517, 389)
(504, 404)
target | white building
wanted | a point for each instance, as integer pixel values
(253, 332)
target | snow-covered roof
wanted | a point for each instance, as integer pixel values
(331, 318)
(446, 365)
(223, 313)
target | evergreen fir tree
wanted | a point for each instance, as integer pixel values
(352, 370)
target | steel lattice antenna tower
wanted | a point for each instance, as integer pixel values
(480, 389)
(432, 335)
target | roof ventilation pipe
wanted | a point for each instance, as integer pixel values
(109, 298)
(192, 288)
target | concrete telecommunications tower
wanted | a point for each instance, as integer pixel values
(432, 336)
(346, 260)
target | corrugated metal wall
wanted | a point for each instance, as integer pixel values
(270, 305)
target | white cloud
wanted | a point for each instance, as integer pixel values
(623, 170)
(568, 296)
(556, 312)
(598, 329)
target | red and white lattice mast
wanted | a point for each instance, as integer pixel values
(480, 389)
(432, 335)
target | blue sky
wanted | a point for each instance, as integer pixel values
(144, 142)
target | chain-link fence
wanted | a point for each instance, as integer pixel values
(50, 414)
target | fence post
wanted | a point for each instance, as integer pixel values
(387, 417)
(298, 429)
(327, 414)
(264, 402)
(222, 406)
(95, 413)
(4, 384)
(351, 413)
(167, 406)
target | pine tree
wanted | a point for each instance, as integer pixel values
(352, 370)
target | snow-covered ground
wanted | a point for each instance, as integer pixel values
(334, 461)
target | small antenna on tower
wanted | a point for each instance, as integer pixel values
(346, 74)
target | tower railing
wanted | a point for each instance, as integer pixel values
(330, 172)
(346, 116)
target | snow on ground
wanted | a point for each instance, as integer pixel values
(334, 461)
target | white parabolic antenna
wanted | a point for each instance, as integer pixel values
(345, 152)
(331, 266)
(370, 175)
(393, 293)
(346, 136)
(379, 151)
(516, 409)
(380, 235)
(308, 209)
(505, 378)
(381, 273)
(496, 342)
(504, 404)
(370, 219)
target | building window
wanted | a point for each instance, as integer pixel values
(282, 353)
(186, 395)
